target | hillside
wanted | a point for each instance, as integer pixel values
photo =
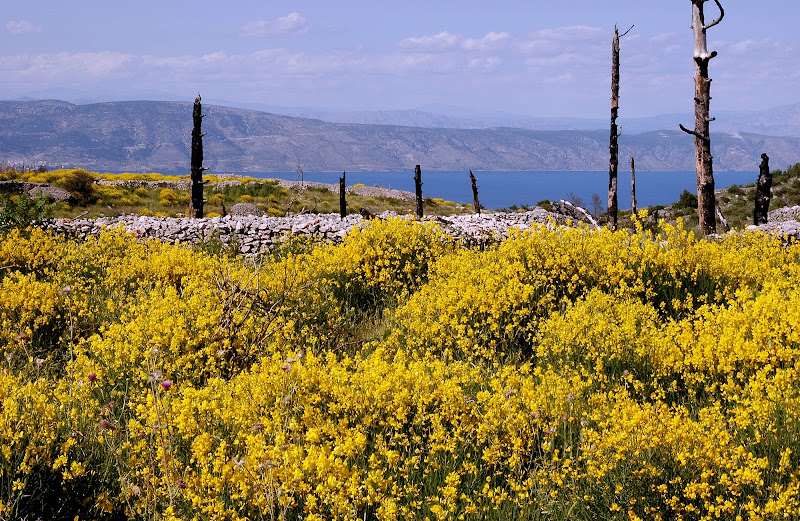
(151, 135)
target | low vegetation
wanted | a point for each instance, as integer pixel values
(91, 199)
(561, 374)
(736, 202)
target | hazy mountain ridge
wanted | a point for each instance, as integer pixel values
(151, 135)
(777, 121)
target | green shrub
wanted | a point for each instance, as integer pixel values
(80, 184)
(687, 201)
(22, 211)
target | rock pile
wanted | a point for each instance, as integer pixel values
(34, 189)
(783, 222)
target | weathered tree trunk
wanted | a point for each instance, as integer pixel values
(763, 192)
(613, 162)
(706, 203)
(418, 189)
(633, 188)
(475, 201)
(196, 198)
(342, 197)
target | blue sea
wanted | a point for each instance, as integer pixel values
(498, 190)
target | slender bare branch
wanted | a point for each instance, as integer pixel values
(583, 211)
(692, 132)
(626, 32)
(718, 20)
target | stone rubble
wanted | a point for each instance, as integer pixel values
(258, 234)
(782, 222)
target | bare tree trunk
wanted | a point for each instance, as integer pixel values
(475, 202)
(418, 188)
(613, 163)
(633, 188)
(196, 198)
(706, 203)
(342, 197)
(763, 192)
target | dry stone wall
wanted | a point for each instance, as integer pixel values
(256, 234)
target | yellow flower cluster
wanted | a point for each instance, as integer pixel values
(563, 373)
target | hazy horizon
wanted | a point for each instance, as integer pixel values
(515, 58)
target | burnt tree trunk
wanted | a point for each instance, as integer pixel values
(613, 147)
(475, 201)
(633, 188)
(706, 203)
(613, 163)
(418, 189)
(196, 198)
(763, 192)
(342, 197)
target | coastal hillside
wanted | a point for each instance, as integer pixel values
(153, 135)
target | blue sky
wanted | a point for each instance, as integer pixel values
(520, 57)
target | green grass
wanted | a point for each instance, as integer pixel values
(95, 200)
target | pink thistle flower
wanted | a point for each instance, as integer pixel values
(91, 377)
(166, 385)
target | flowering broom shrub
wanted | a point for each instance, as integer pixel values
(563, 374)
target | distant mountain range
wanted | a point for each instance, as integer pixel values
(778, 121)
(155, 136)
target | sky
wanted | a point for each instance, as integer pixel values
(526, 57)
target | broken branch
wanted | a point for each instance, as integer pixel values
(694, 133)
(718, 20)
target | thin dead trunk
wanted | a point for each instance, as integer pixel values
(614, 145)
(633, 189)
(706, 203)
(196, 197)
(418, 189)
(763, 192)
(475, 203)
(613, 163)
(342, 197)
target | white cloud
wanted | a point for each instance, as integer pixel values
(557, 40)
(487, 64)
(22, 27)
(746, 47)
(492, 41)
(293, 23)
(663, 37)
(67, 64)
(443, 41)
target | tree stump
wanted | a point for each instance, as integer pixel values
(342, 197)
(418, 189)
(475, 203)
(763, 192)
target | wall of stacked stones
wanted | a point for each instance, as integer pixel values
(257, 234)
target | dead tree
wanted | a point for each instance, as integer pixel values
(763, 192)
(418, 189)
(196, 198)
(706, 203)
(342, 198)
(475, 202)
(613, 163)
(633, 188)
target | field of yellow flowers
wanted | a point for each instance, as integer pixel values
(562, 374)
